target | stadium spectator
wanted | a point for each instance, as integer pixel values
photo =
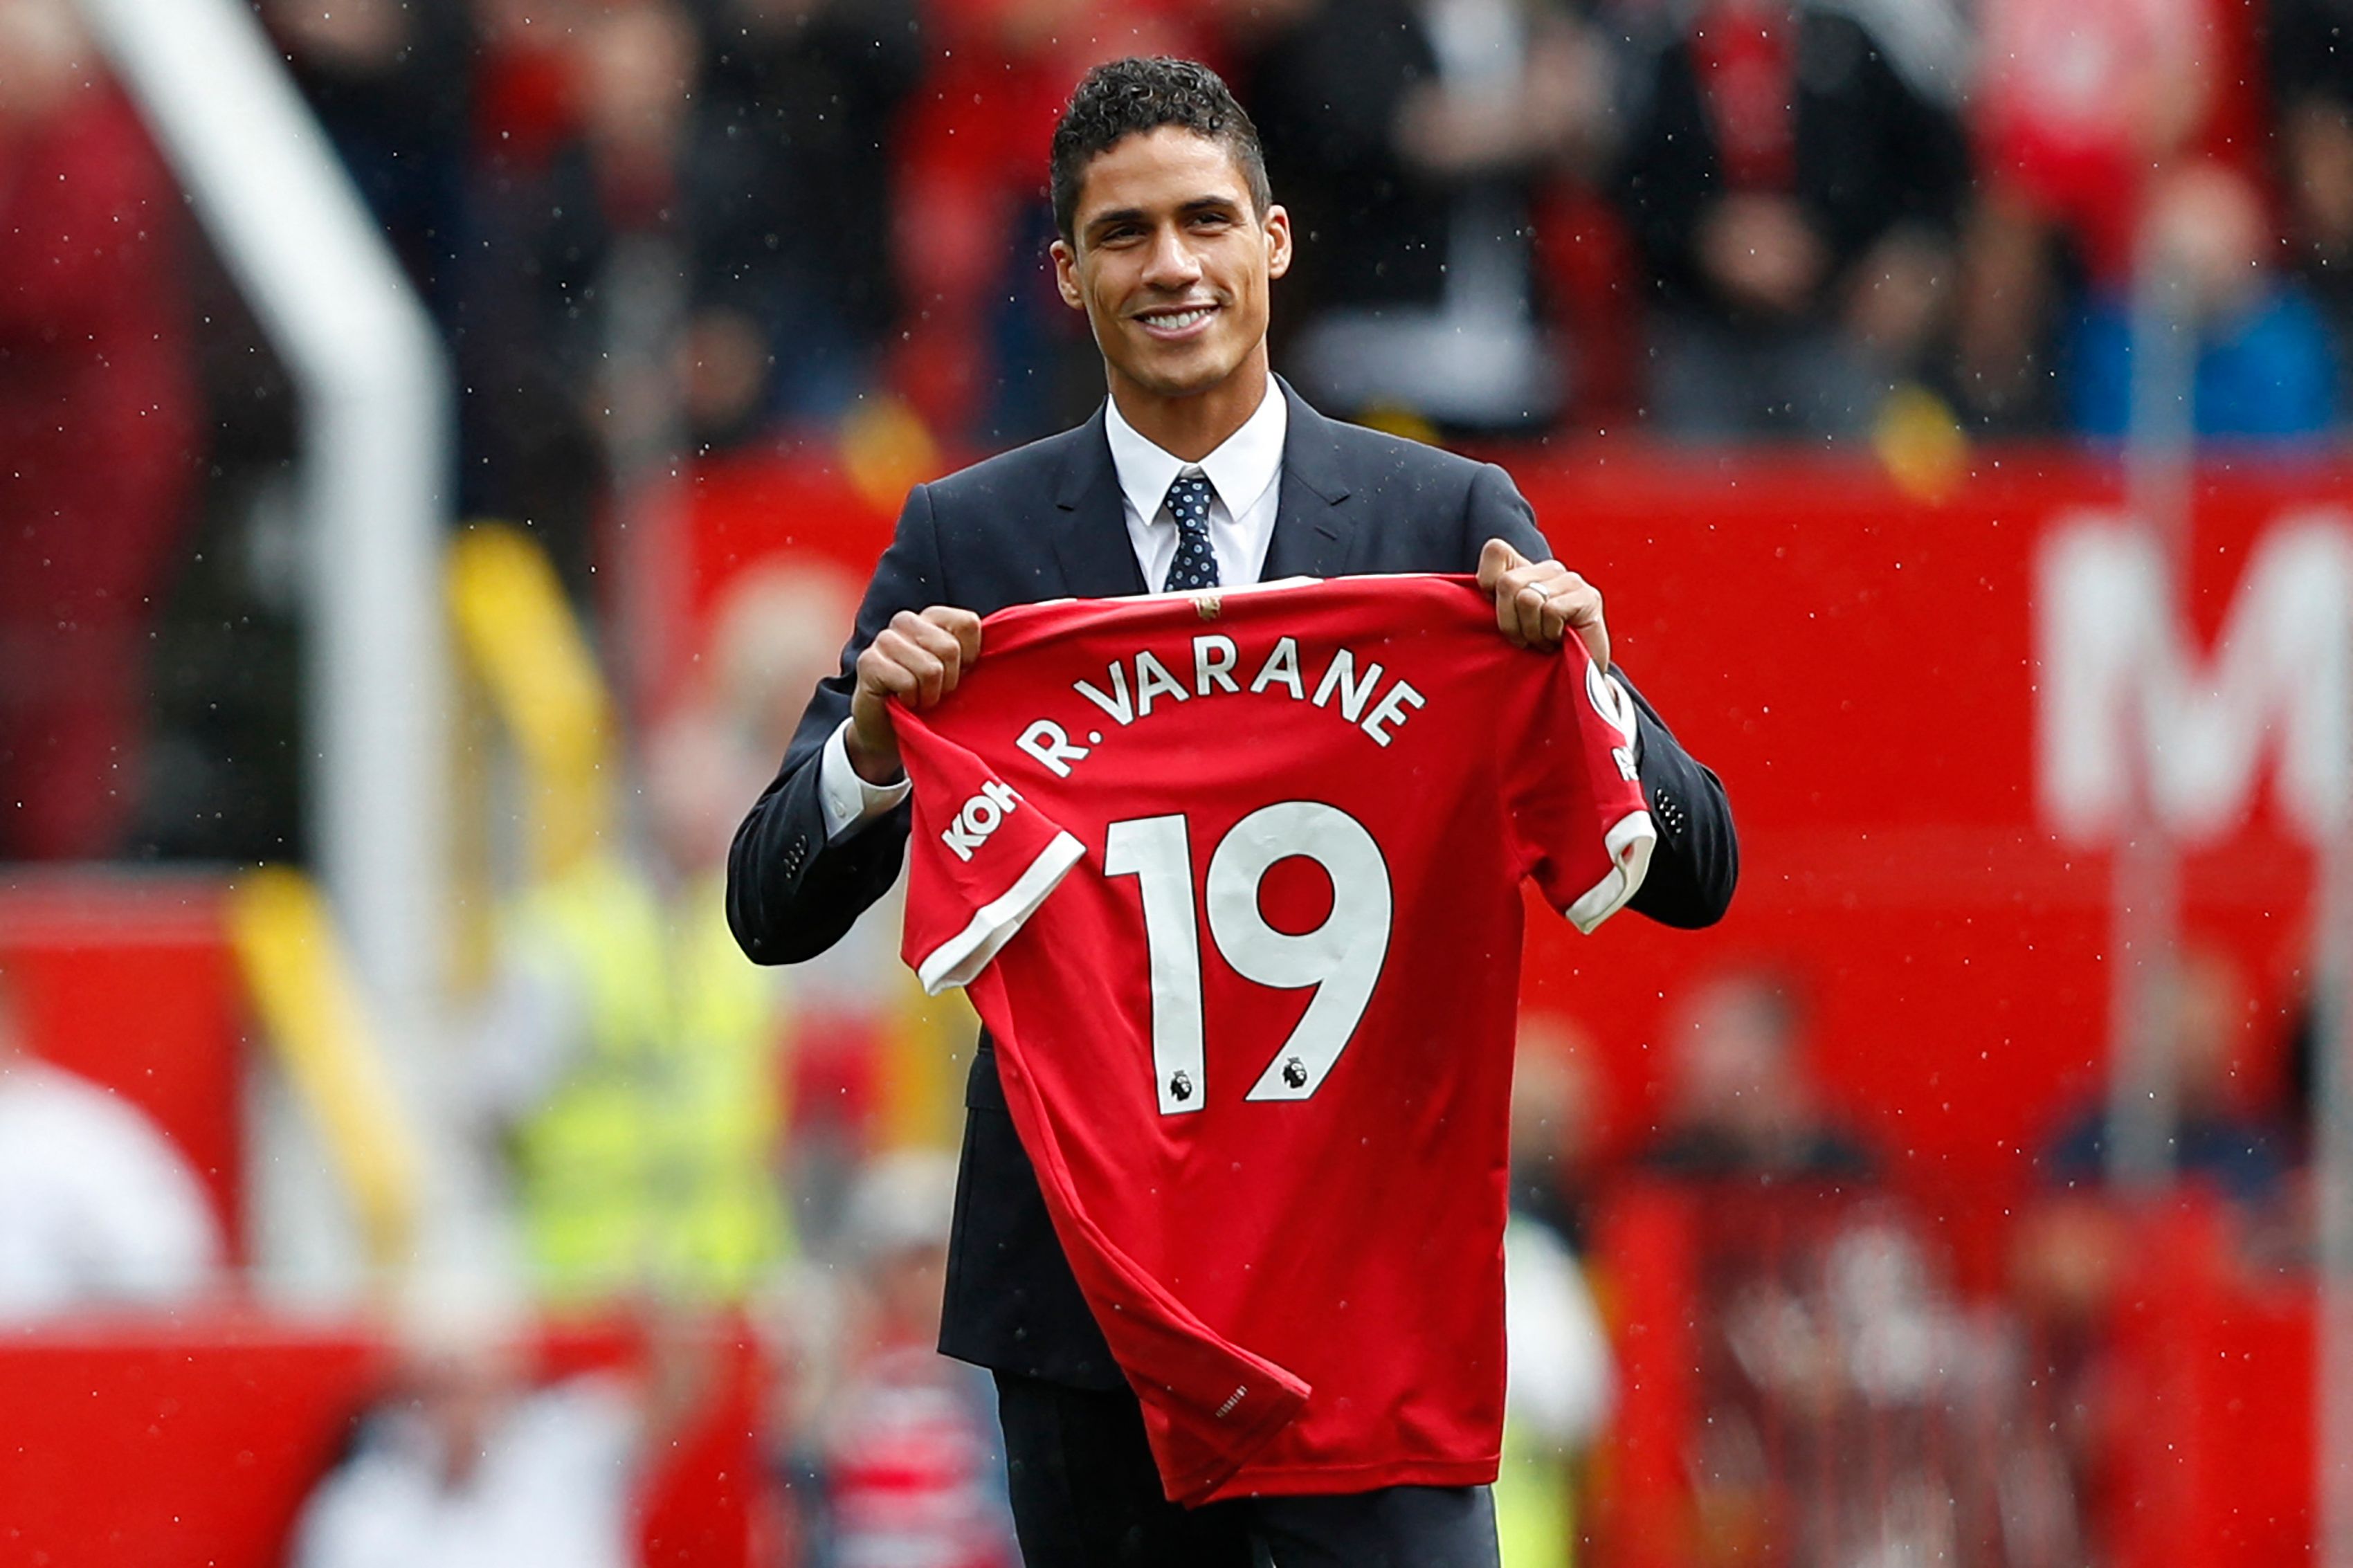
(2312, 80)
(799, 120)
(97, 1208)
(577, 301)
(1557, 1111)
(466, 1465)
(1792, 173)
(392, 84)
(2262, 367)
(97, 406)
(1745, 1108)
(2224, 1134)
(903, 1447)
(774, 636)
(1412, 136)
(1562, 1381)
(2080, 111)
(628, 1052)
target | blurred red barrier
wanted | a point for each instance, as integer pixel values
(131, 1445)
(2214, 1425)
(141, 1441)
(126, 980)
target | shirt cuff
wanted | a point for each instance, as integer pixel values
(846, 800)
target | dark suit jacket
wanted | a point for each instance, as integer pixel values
(1042, 522)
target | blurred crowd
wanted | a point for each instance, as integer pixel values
(652, 231)
(654, 226)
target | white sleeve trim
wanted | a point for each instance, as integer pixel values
(956, 960)
(1630, 841)
(845, 799)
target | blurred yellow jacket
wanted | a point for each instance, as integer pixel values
(652, 1163)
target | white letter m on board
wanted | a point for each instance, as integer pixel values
(2123, 690)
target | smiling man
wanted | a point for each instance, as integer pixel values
(1201, 469)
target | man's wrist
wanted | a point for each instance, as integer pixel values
(872, 766)
(848, 800)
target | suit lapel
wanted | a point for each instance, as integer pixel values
(1314, 535)
(1091, 540)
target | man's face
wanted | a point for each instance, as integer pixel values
(1171, 262)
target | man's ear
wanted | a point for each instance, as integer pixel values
(1065, 275)
(1278, 241)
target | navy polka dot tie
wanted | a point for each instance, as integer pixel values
(1196, 565)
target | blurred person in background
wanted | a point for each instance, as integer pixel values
(2264, 367)
(2082, 109)
(392, 84)
(631, 1057)
(580, 286)
(1413, 136)
(531, 451)
(467, 1463)
(1557, 1112)
(98, 1209)
(1745, 1105)
(2311, 62)
(1561, 1381)
(902, 1446)
(795, 143)
(1792, 172)
(2224, 1133)
(2078, 1241)
(776, 633)
(98, 434)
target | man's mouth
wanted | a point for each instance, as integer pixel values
(1175, 322)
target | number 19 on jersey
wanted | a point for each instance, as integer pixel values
(1341, 958)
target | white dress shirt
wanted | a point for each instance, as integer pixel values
(1242, 472)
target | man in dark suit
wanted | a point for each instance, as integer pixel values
(1200, 469)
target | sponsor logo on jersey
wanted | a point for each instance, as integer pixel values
(980, 817)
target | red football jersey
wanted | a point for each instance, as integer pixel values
(1233, 879)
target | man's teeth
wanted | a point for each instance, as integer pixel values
(1180, 319)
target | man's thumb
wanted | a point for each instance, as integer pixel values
(1496, 559)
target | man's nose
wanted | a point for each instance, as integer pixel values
(1172, 264)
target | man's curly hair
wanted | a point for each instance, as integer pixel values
(1127, 98)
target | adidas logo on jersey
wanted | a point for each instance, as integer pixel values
(980, 818)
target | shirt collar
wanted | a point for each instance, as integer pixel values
(1241, 467)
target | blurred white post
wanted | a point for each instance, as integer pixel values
(378, 466)
(2160, 469)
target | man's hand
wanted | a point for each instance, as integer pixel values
(1539, 602)
(918, 659)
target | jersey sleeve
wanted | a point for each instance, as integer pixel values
(1584, 830)
(980, 859)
